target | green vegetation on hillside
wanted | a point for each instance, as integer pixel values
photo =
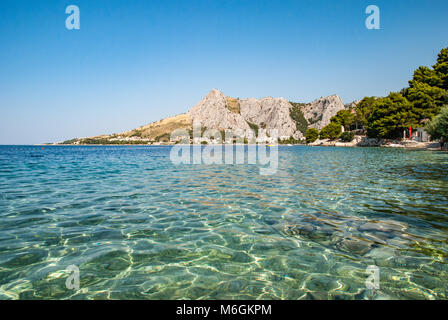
(254, 127)
(297, 116)
(71, 141)
(101, 141)
(137, 133)
(233, 105)
(165, 137)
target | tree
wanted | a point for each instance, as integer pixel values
(311, 135)
(426, 100)
(438, 126)
(426, 75)
(427, 89)
(363, 110)
(441, 67)
(390, 116)
(344, 118)
(331, 131)
(347, 136)
(296, 114)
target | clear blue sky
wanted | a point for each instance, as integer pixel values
(134, 62)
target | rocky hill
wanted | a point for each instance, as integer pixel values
(218, 111)
(319, 112)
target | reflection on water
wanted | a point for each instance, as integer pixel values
(139, 227)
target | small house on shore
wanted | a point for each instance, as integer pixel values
(421, 135)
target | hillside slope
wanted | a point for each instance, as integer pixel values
(218, 111)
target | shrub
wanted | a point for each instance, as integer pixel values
(345, 118)
(331, 131)
(438, 126)
(297, 116)
(254, 127)
(311, 135)
(347, 136)
(163, 137)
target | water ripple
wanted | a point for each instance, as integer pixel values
(139, 227)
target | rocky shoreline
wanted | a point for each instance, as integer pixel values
(363, 141)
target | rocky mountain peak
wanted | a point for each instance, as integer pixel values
(214, 93)
(213, 111)
(319, 112)
(218, 111)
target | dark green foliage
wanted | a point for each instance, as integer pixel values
(344, 118)
(441, 67)
(296, 114)
(426, 75)
(331, 131)
(163, 137)
(69, 141)
(313, 121)
(390, 116)
(426, 100)
(100, 141)
(254, 127)
(137, 133)
(291, 140)
(427, 93)
(347, 136)
(363, 110)
(311, 135)
(427, 89)
(438, 126)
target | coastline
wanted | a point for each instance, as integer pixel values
(363, 141)
(372, 143)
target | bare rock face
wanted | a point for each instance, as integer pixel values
(269, 113)
(319, 112)
(218, 111)
(213, 112)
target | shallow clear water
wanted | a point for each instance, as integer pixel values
(139, 227)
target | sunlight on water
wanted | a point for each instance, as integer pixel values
(139, 227)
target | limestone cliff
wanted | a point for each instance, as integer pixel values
(218, 111)
(319, 112)
(213, 112)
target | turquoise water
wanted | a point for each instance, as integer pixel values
(139, 227)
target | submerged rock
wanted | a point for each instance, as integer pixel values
(354, 246)
(384, 226)
(382, 253)
(308, 231)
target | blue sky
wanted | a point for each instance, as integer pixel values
(134, 62)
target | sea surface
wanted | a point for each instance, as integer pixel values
(139, 227)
